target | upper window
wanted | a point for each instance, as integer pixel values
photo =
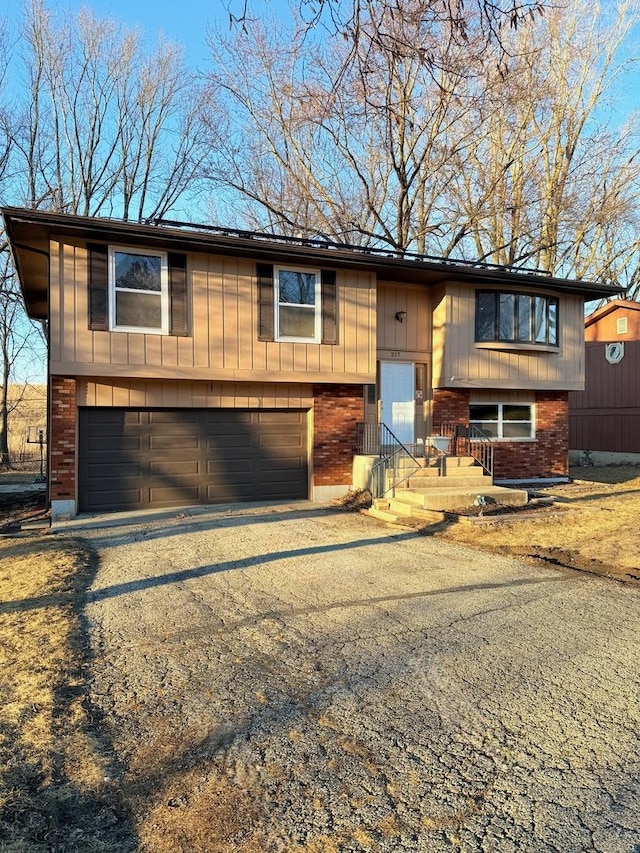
(139, 290)
(298, 304)
(503, 420)
(516, 318)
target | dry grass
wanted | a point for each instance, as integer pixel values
(30, 411)
(53, 794)
(592, 526)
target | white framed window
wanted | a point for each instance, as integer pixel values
(297, 304)
(138, 290)
(511, 421)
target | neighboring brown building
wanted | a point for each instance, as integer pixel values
(191, 365)
(604, 418)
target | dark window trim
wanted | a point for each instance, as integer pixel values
(98, 290)
(267, 305)
(516, 340)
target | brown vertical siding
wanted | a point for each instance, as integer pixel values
(606, 415)
(223, 340)
(413, 334)
(136, 393)
(461, 363)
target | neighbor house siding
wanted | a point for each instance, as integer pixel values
(606, 415)
(223, 329)
(605, 328)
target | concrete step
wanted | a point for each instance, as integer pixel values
(473, 481)
(455, 474)
(452, 497)
(435, 464)
(408, 510)
(386, 515)
(460, 461)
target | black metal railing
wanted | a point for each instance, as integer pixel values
(468, 440)
(394, 456)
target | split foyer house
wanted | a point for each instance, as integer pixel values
(192, 365)
(604, 418)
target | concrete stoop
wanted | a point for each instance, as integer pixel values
(432, 491)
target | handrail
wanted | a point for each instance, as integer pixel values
(475, 443)
(390, 450)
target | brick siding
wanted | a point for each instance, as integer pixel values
(62, 439)
(547, 456)
(450, 407)
(337, 410)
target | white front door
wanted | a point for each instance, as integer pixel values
(397, 392)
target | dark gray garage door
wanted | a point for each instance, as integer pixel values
(171, 457)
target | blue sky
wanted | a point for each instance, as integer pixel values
(185, 21)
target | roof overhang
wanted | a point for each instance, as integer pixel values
(30, 232)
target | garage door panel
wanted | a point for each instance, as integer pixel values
(180, 441)
(173, 495)
(127, 498)
(105, 444)
(236, 444)
(139, 458)
(176, 469)
(115, 471)
(241, 466)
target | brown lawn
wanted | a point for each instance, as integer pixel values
(591, 526)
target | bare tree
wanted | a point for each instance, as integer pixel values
(364, 161)
(498, 153)
(365, 23)
(102, 127)
(547, 182)
(106, 129)
(19, 345)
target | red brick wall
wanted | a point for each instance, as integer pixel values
(62, 439)
(450, 407)
(337, 409)
(519, 460)
(548, 456)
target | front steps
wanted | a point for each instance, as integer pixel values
(452, 483)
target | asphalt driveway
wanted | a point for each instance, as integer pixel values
(303, 679)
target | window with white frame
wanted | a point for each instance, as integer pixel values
(139, 290)
(298, 304)
(503, 420)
